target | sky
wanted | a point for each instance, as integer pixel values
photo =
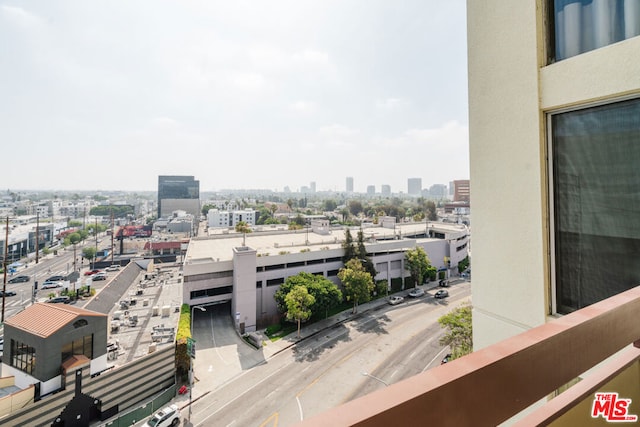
(107, 95)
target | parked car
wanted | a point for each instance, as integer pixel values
(443, 283)
(92, 272)
(394, 300)
(7, 293)
(169, 416)
(113, 267)
(446, 359)
(50, 284)
(56, 279)
(416, 293)
(19, 279)
(99, 276)
(59, 300)
(442, 293)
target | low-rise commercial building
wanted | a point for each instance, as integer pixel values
(248, 270)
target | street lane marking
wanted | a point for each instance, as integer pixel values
(437, 356)
(275, 420)
(213, 338)
(300, 408)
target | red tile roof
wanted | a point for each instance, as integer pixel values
(44, 319)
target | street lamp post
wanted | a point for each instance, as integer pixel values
(366, 374)
(199, 307)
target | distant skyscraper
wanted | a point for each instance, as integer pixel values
(313, 186)
(371, 190)
(385, 190)
(178, 193)
(414, 186)
(462, 191)
(349, 184)
(438, 190)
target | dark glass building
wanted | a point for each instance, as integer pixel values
(176, 188)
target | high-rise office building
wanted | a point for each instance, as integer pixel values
(349, 184)
(371, 190)
(414, 186)
(385, 190)
(313, 186)
(562, 102)
(461, 190)
(178, 193)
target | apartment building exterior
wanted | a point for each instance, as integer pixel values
(554, 123)
(223, 219)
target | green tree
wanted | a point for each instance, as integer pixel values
(243, 227)
(431, 211)
(417, 262)
(349, 249)
(458, 335)
(325, 292)
(355, 207)
(329, 205)
(298, 305)
(206, 208)
(363, 256)
(89, 252)
(72, 239)
(358, 283)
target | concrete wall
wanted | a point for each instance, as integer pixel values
(244, 287)
(511, 89)
(507, 164)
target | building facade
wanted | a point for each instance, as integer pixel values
(349, 184)
(554, 109)
(461, 190)
(248, 270)
(414, 186)
(178, 193)
(223, 219)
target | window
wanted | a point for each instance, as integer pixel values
(23, 357)
(596, 202)
(584, 25)
(211, 292)
(80, 346)
(275, 282)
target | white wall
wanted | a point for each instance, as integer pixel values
(507, 169)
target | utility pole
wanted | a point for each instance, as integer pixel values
(111, 236)
(95, 256)
(37, 235)
(4, 265)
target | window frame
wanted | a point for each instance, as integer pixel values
(551, 225)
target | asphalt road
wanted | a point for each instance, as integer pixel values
(50, 265)
(349, 360)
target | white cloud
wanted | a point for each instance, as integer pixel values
(338, 130)
(20, 17)
(303, 107)
(390, 103)
(312, 57)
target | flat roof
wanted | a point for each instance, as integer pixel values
(219, 247)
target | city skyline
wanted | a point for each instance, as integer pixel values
(99, 97)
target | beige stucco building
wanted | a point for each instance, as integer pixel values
(554, 96)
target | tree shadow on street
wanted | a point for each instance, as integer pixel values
(312, 348)
(371, 323)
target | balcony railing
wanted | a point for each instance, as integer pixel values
(498, 383)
